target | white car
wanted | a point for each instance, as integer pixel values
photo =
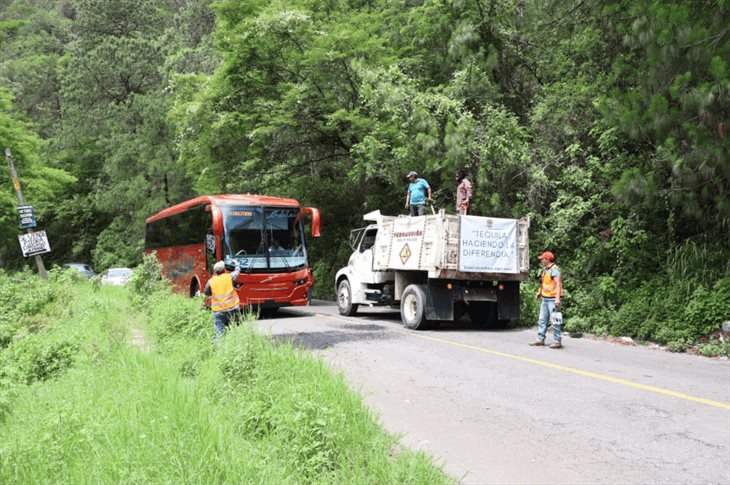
(116, 276)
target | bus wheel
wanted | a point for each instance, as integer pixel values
(344, 299)
(413, 308)
(194, 288)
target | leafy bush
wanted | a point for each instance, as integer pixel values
(707, 308)
(24, 295)
(679, 315)
(715, 348)
(530, 307)
(7, 331)
(40, 358)
(56, 324)
(172, 316)
(324, 279)
(238, 360)
(146, 280)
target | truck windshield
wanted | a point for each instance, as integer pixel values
(264, 238)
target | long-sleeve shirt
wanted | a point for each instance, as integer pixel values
(234, 276)
(464, 193)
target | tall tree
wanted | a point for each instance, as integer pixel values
(42, 184)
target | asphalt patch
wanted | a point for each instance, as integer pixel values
(325, 340)
(364, 327)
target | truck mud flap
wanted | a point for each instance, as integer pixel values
(440, 303)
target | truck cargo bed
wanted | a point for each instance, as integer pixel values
(489, 249)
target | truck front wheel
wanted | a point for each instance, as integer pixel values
(344, 299)
(413, 307)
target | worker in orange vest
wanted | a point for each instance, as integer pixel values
(551, 291)
(223, 296)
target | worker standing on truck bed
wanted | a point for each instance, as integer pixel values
(464, 193)
(418, 192)
(223, 296)
(551, 290)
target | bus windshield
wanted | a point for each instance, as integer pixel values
(264, 238)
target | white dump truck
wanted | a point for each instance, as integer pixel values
(437, 268)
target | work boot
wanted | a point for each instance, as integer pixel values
(537, 342)
(556, 345)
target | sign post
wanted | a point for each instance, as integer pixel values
(30, 237)
(26, 216)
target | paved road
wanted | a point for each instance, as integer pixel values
(494, 410)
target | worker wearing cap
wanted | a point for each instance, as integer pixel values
(418, 192)
(223, 296)
(551, 291)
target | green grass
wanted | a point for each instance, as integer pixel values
(189, 410)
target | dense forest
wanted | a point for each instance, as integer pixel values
(604, 121)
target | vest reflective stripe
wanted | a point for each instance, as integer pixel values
(223, 295)
(549, 286)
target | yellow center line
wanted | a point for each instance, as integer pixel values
(542, 363)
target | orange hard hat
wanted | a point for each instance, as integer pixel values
(547, 255)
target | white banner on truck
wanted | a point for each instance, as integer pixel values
(407, 242)
(488, 245)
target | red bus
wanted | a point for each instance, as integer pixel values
(265, 234)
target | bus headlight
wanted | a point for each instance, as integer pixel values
(303, 281)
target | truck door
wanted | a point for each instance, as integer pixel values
(363, 258)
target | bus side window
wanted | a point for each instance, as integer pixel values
(209, 251)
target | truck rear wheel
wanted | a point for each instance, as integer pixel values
(413, 307)
(344, 299)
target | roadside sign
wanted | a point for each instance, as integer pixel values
(27, 217)
(34, 243)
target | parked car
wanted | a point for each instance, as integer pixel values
(116, 276)
(82, 268)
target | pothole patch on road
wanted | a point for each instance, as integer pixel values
(364, 327)
(325, 340)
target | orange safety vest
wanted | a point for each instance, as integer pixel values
(223, 295)
(549, 286)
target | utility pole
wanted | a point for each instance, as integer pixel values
(21, 200)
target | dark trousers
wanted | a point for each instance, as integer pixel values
(418, 210)
(223, 319)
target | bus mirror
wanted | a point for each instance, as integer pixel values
(315, 219)
(208, 207)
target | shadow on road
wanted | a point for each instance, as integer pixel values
(463, 324)
(381, 315)
(283, 315)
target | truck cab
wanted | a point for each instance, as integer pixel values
(359, 283)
